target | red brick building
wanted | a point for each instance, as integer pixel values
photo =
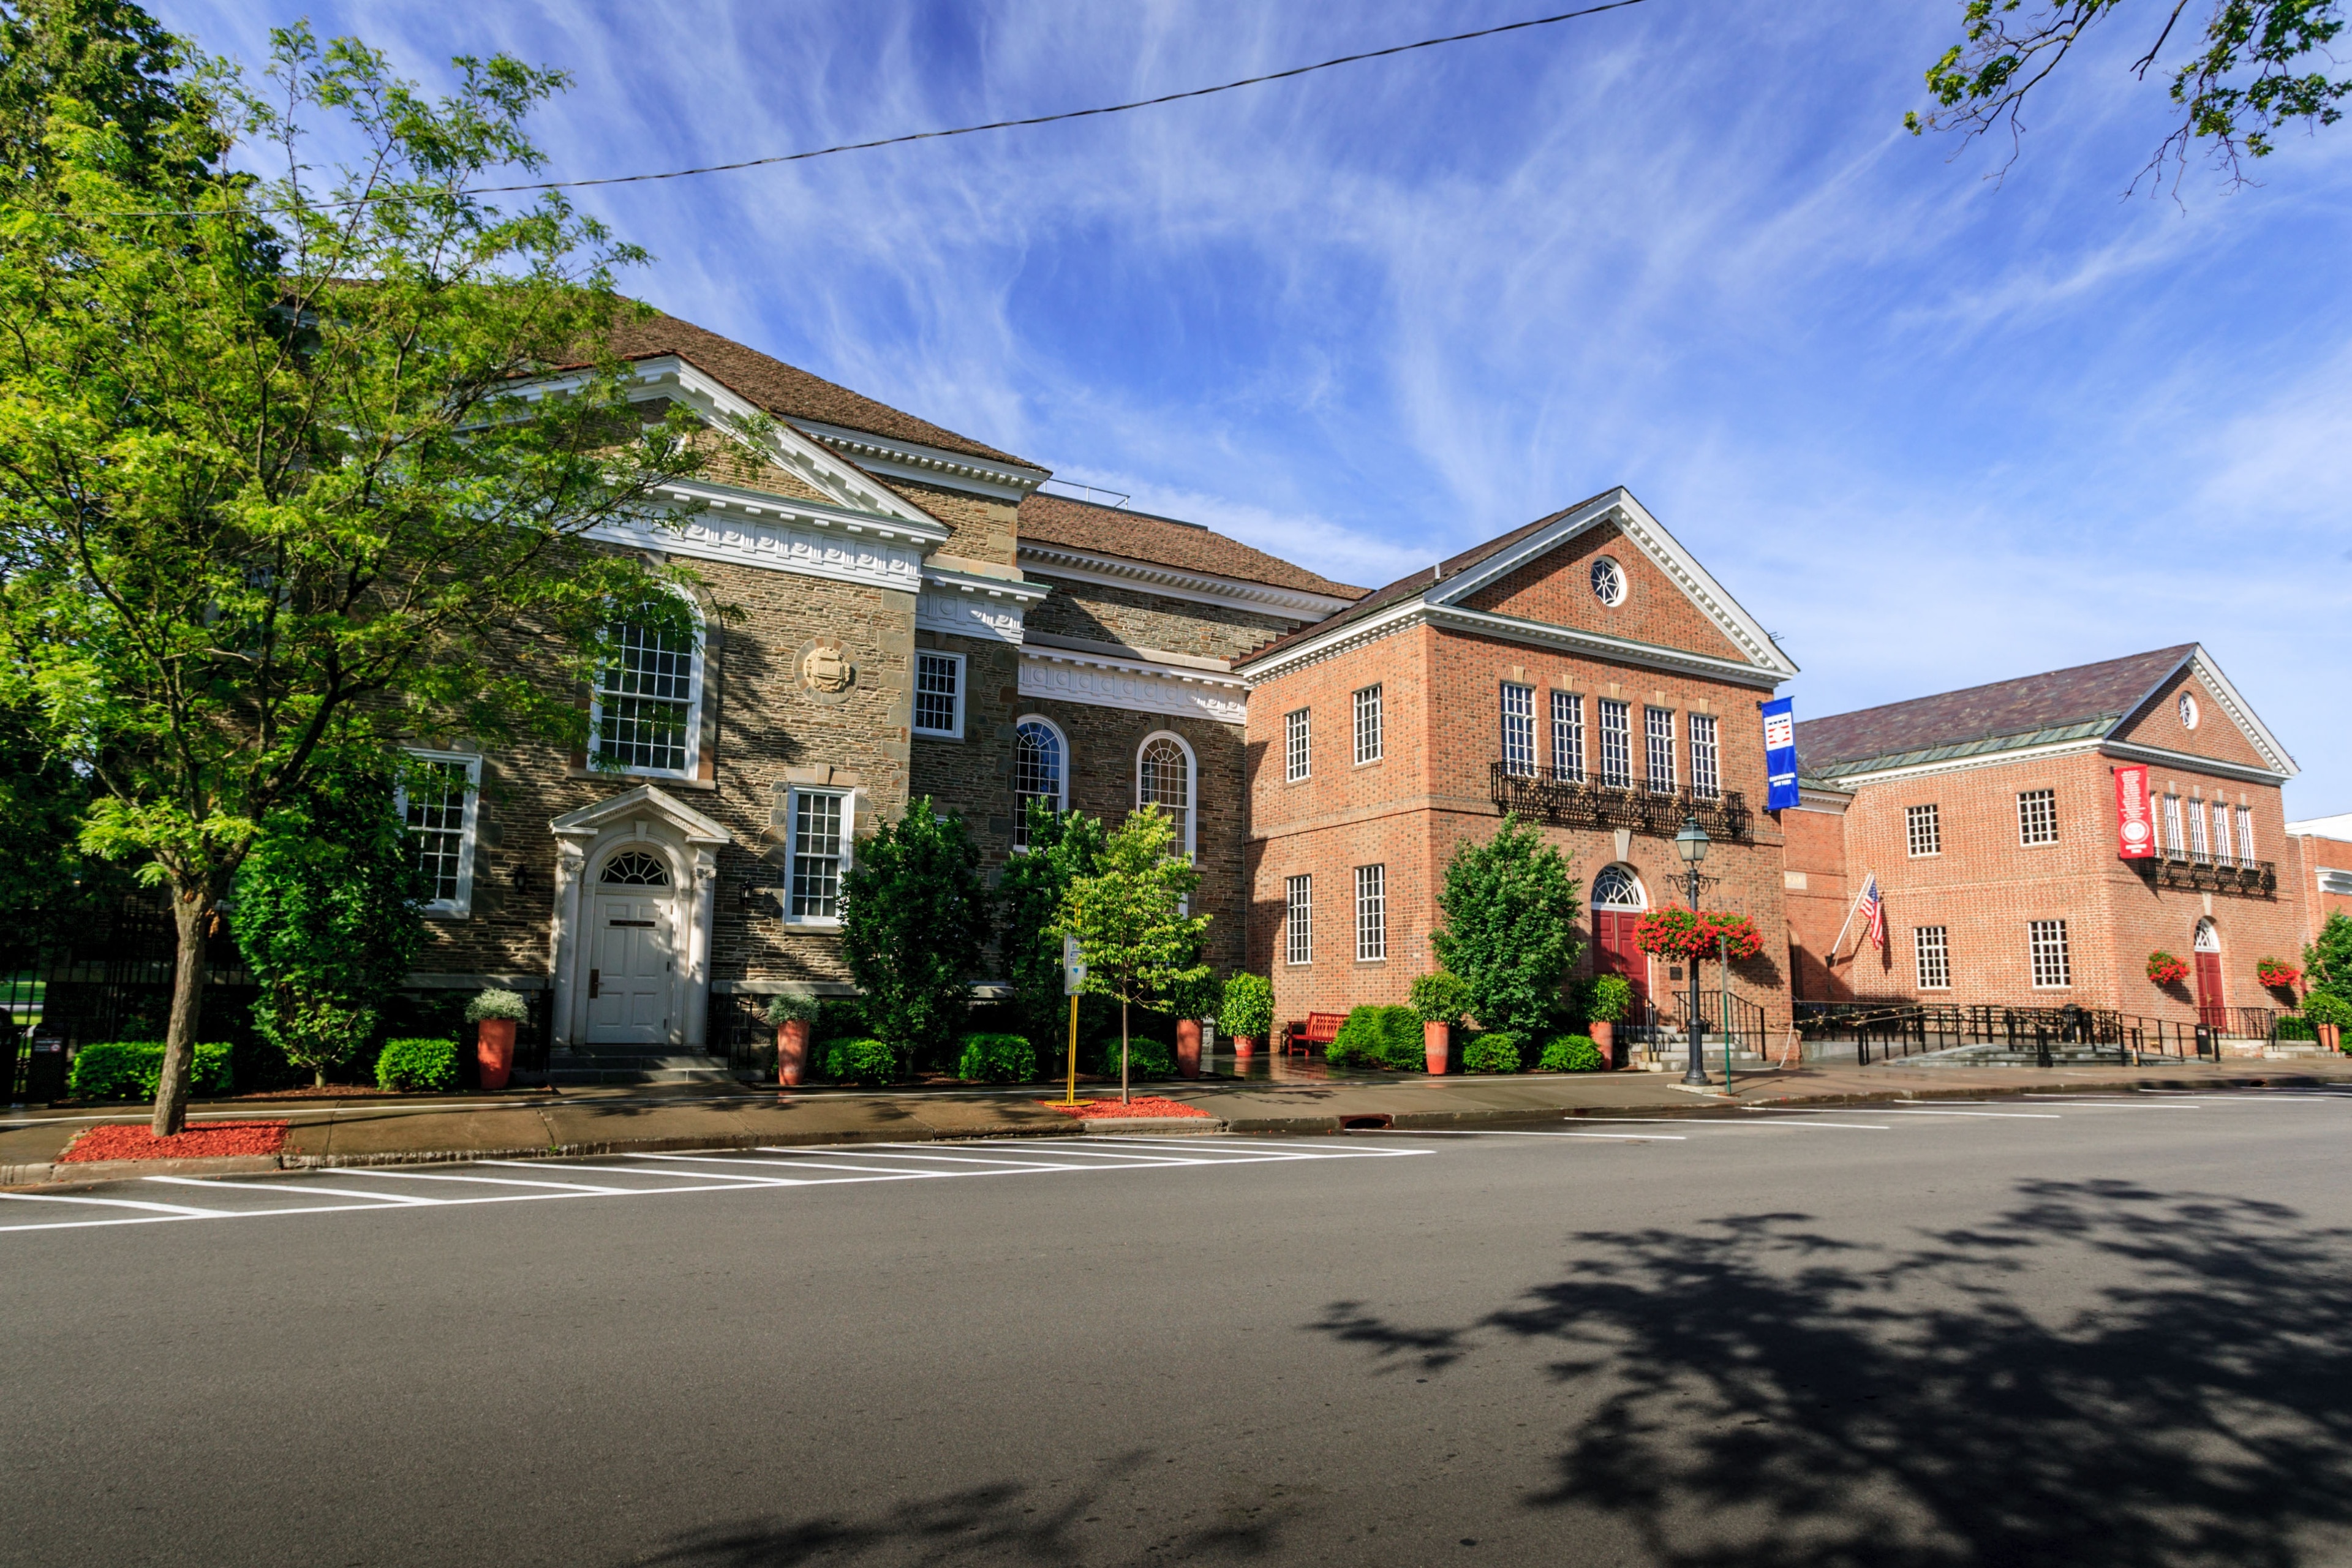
(1989, 819)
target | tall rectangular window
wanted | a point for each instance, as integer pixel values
(1297, 745)
(1933, 957)
(2037, 816)
(2221, 831)
(1706, 761)
(645, 712)
(437, 799)
(1368, 725)
(816, 856)
(2246, 834)
(1923, 829)
(2197, 845)
(2045, 942)
(1616, 744)
(1519, 729)
(939, 695)
(1372, 913)
(2172, 825)
(1298, 921)
(1568, 736)
(1658, 730)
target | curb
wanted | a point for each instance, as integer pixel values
(1161, 1126)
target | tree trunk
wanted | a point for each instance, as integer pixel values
(191, 912)
(1123, 1050)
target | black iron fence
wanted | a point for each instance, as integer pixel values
(1666, 1020)
(2208, 872)
(1884, 1030)
(1581, 802)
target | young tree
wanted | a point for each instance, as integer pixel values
(271, 489)
(1510, 910)
(914, 917)
(2328, 963)
(1063, 847)
(1129, 920)
(327, 915)
(2254, 67)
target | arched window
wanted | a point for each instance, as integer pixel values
(2208, 938)
(635, 868)
(647, 716)
(1163, 777)
(1040, 771)
(1616, 888)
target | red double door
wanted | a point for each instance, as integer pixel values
(1613, 951)
(2210, 1010)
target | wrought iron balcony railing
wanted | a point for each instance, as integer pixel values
(1580, 802)
(2176, 868)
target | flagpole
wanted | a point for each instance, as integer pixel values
(1866, 883)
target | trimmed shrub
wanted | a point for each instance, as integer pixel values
(784, 1009)
(997, 1059)
(1496, 1052)
(1248, 1010)
(2293, 1028)
(1608, 998)
(2322, 1007)
(867, 1060)
(1145, 1059)
(130, 1070)
(1379, 1037)
(1440, 997)
(1571, 1053)
(417, 1067)
(494, 1004)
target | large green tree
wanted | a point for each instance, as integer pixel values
(1061, 848)
(1129, 916)
(2249, 69)
(2328, 962)
(1510, 910)
(914, 917)
(277, 486)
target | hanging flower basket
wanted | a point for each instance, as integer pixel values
(1666, 933)
(2276, 975)
(2167, 969)
(1679, 933)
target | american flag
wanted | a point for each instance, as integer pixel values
(1874, 913)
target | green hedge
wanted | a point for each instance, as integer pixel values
(427, 1065)
(129, 1070)
(867, 1060)
(1499, 1052)
(1572, 1053)
(1145, 1059)
(997, 1059)
(2293, 1028)
(1379, 1037)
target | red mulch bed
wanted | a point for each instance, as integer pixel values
(127, 1140)
(1141, 1105)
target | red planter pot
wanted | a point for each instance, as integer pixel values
(1188, 1048)
(1244, 1048)
(493, 1050)
(2329, 1034)
(1604, 1034)
(791, 1052)
(1436, 1046)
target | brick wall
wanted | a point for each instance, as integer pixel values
(1555, 588)
(2307, 855)
(1816, 893)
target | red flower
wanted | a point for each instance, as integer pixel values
(2278, 976)
(1679, 933)
(2166, 968)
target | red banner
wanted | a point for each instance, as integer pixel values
(2134, 823)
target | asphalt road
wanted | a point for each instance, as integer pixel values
(2110, 1332)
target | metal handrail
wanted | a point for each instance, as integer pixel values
(1582, 803)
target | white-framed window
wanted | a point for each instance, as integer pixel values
(1298, 920)
(1707, 758)
(1658, 730)
(1163, 777)
(1297, 744)
(2037, 816)
(1372, 913)
(818, 853)
(1608, 582)
(939, 695)
(1367, 726)
(2198, 847)
(646, 714)
(1933, 955)
(1040, 773)
(2172, 825)
(1922, 830)
(2221, 831)
(1568, 736)
(2246, 834)
(1616, 744)
(2045, 945)
(1518, 729)
(437, 798)
(1617, 888)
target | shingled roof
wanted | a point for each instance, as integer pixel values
(786, 391)
(1162, 541)
(2087, 700)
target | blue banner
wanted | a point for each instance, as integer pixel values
(1780, 753)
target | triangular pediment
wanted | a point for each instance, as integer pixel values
(2227, 728)
(690, 825)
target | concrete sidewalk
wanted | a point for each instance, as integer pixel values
(525, 1123)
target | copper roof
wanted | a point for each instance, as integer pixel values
(2088, 699)
(787, 391)
(1162, 541)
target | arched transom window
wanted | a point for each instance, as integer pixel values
(1040, 773)
(636, 869)
(1163, 777)
(1615, 887)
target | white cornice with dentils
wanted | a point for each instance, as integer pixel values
(1119, 572)
(2241, 713)
(1137, 686)
(965, 604)
(2190, 763)
(929, 464)
(774, 534)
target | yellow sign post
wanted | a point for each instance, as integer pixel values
(1074, 979)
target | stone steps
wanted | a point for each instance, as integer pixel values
(606, 1064)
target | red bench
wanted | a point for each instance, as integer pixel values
(1320, 1029)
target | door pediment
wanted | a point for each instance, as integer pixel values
(591, 821)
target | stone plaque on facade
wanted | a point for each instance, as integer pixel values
(825, 671)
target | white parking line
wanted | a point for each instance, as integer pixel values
(180, 1209)
(384, 1174)
(297, 1189)
(1496, 1133)
(2008, 1115)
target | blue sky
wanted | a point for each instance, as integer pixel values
(1932, 429)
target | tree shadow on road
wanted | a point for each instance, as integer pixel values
(2108, 1376)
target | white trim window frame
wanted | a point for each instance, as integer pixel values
(1371, 914)
(628, 693)
(1518, 708)
(2221, 833)
(2245, 835)
(445, 850)
(1297, 745)
(939, 694)
(817, 844)
(1931, 953)
(1152, 748)
(1298, 920)
(1706, 758)
(1922, 830)
(1370, 746)
(1568, 736)
(2199, 848)
(2037, 816)
(1658, 750)
(2172, 839)
(1616, 744)
(1041, 770)
(2045, 947)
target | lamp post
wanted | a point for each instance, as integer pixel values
(1691, 845)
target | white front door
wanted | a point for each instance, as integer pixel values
(632, 970)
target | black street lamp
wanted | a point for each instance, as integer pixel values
(1691, 845)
